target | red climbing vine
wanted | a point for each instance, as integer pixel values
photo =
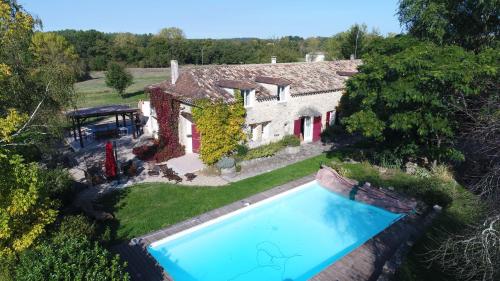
(167, 114)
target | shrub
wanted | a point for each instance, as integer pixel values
(264, 151)
(443, 172)
(241, 150)
(387, 159)
(146, 152)
(77, 226)
(59, 183)
(290, 140)
(221, 126)
(70, 254)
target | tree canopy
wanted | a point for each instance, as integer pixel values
(118, 78)
(472, 24)
(408, 92)
(53, 49)
(97, 49)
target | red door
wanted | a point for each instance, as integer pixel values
(297, 127)
(195, 137)
(317, 128)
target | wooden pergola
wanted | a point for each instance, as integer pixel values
(80, 115)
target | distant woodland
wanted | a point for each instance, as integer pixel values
(96, 49)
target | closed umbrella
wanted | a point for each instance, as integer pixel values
(110, 164)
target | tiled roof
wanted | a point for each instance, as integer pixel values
(273, 80)
(304, 78)
(346, 73)
(236, 84)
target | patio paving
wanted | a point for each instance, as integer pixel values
(188, 163)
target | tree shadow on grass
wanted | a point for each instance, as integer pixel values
(133, 94)
(111, 203)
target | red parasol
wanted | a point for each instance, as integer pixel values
(110, 164)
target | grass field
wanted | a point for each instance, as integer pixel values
(94, 92)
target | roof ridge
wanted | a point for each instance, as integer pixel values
(265, 64)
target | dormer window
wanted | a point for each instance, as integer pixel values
(281, 93)
(247, 100)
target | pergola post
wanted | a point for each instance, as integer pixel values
(124, 121)
(117, 124)
(133, 125)
(79, 131)
(73, 127)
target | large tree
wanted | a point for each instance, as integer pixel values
(25, 205)
(472, 24)
(36, 80)
(407, 93)
(118, 78)
(353, 41)
(53, 49)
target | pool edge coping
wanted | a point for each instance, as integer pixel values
(212, 216)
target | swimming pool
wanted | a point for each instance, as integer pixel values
(291, 236)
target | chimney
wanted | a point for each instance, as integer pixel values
(174, 70)
(273, 59)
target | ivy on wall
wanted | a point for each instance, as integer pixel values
(221, 127)
(167, 114)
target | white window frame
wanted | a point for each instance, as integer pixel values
(254, 132)
(332, 118)
(281, 94)
(265, 130)
(308, 130)
(247, 97)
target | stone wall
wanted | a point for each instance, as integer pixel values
(282, 114)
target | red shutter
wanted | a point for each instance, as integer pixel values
(296, 127)
(317, 128)
(195, 137)
(328, 118)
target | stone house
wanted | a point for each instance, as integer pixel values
(280, 98)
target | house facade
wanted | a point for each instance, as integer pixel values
(280, 98)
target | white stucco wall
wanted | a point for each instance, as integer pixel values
(151, 126)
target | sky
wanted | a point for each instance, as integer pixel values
(217, 18)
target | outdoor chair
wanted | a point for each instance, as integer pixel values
(170, 174)
(190, 176)
(122, 131)
(153, 170)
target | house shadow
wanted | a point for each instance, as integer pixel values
(140, 264)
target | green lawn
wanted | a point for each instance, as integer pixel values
(147, 207)
(94, 92)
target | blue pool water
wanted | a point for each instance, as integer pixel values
(291, 237)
